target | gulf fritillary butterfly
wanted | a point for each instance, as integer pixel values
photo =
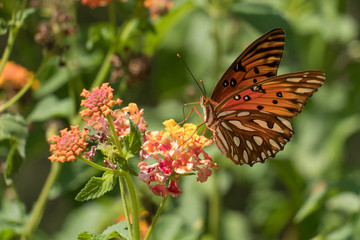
(250, 108)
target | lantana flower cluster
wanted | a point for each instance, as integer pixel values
(98, 108)
(178, 151)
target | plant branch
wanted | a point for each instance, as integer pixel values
(148, 234)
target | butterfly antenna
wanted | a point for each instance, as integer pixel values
(192, 75)
(202, 84)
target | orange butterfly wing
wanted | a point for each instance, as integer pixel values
(251, 130)
(258, 61)
(250, 108)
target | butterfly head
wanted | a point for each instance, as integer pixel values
(204, 101)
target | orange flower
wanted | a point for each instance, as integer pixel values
(178, 151)
(158, 7)
(95, 3)
(68, 144)
(98, 102)
(16, 76)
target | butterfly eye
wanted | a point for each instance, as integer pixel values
(207, 102)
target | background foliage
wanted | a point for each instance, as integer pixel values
(311, 189)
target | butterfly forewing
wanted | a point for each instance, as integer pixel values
(283, 95)
(259, 61)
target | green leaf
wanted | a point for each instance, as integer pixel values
(51, 107)
(13, 164)
(13, 126)
(133, 141)
(118, 230)
(166, 23)
(314, 201)
(24, 14)
(96, 187)
(101, 32)
(4, 26)
(14, 129)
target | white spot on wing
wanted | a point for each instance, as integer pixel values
(236, 141)
(221, 114)
(263, 155)
(226, 126)
(246, 157)
(277, 128)
(236, 158)
(269, 153)
(261, 123)
(223, 142)
(314, 81)
(274, 144)
(258, 140)
(304, 90)
(286, 122)
(294, 79)
(248, 143)
(242, 114)
(239, 125)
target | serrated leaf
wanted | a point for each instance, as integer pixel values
(118, 230)
(133, 141)
(45, 109)
(96, 187)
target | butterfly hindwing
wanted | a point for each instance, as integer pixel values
(259, 61)
(247, 137)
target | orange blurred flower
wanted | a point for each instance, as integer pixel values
(95, 3)
(16, 76)
(158, 7)
(68, 144)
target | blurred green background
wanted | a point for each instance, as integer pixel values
(311, 189)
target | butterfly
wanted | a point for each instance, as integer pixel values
(250, 109)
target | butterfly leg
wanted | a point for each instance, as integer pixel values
(188, 116)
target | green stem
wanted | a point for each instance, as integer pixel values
(38, 210)
(94, 165)
(17, 96)
(14, 29)
(134, 205)
(114, 134)
(125, 207)
(105, 67)
(214, 208)
(148, 234)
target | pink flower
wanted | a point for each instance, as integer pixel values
(98, 102)
(178, 151)
(68, 144)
